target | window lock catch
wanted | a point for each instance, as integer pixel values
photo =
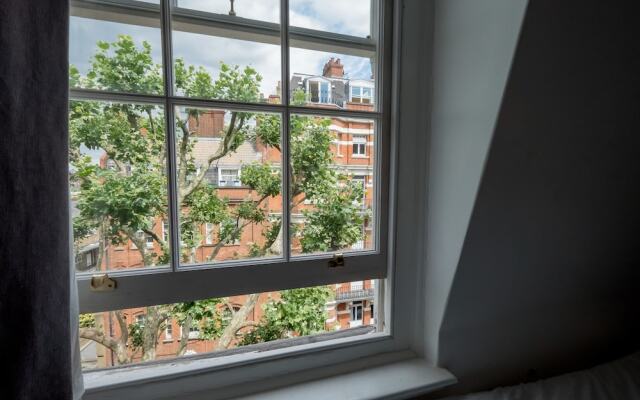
(337, 261)
(102, 283)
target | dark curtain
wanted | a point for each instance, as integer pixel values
(35, 280)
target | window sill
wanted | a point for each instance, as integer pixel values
(396, 380)
(394, 375)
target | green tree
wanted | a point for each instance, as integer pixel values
(127, 200)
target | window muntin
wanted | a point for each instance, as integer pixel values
(369, 264)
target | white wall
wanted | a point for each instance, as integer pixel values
(473, 45)
(547, 276)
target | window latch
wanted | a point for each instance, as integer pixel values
(337, 261)
(102, 283)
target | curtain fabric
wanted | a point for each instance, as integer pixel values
(38, 320)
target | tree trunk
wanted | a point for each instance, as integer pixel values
(238, 321)
(184, 336)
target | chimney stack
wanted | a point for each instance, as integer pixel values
(333, 69)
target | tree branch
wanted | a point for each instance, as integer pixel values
(98, 336)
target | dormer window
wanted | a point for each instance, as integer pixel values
(319, 91)
(361, 94)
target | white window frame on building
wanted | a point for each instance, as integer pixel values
(356, 313)
(234, 182)
(357, 91)
(208, 233)
(168, 331)
(319, 81)
(359, 145)
(242, 373)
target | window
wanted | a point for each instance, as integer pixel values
(356, 313)
(229, 177)
(168, 331)
(359, 145)
(208, 233)
(360, 94)
(277, 213)
(319, 91)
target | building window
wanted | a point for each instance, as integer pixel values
(229, 177)
(149, 241)
(194, 331)
(140, 320)
(359, 145)
(361, 94)
(208, 233)
(356, 314)
(168, 331)
(319, 91)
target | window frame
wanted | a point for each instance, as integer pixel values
(360, 144)
(400, 348)
(178, 283)
(238, 170)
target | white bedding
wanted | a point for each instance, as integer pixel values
(618, 380)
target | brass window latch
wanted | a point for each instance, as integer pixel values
(102, 283)
(337, 260)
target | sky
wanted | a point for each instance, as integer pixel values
(343, 16)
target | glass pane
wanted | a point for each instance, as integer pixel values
(332, 204)
(326, 80)
(348, 17)
(226, 63)
(229, 185)
(113, 56)
(118, 185)
(262, 10)
(174, 330)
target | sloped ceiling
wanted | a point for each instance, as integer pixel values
(548, 274)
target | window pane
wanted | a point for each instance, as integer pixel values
(262, 10)
(320, 79)
(174, 330)
(228, 176)
(227, 64)
(348, 17)
(332, 205)
(114, 56)
(118, 185)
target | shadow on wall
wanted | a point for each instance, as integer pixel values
(547, 280)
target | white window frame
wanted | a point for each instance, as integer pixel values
(235, 183)
(320, 81)
(177, 283)
(396, 344)
(168, 331)
(353, 313)
(208, 233)
(361, 141)
(362, 84)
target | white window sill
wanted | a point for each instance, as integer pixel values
(396, 375)
(270, 366)
(397, 380)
